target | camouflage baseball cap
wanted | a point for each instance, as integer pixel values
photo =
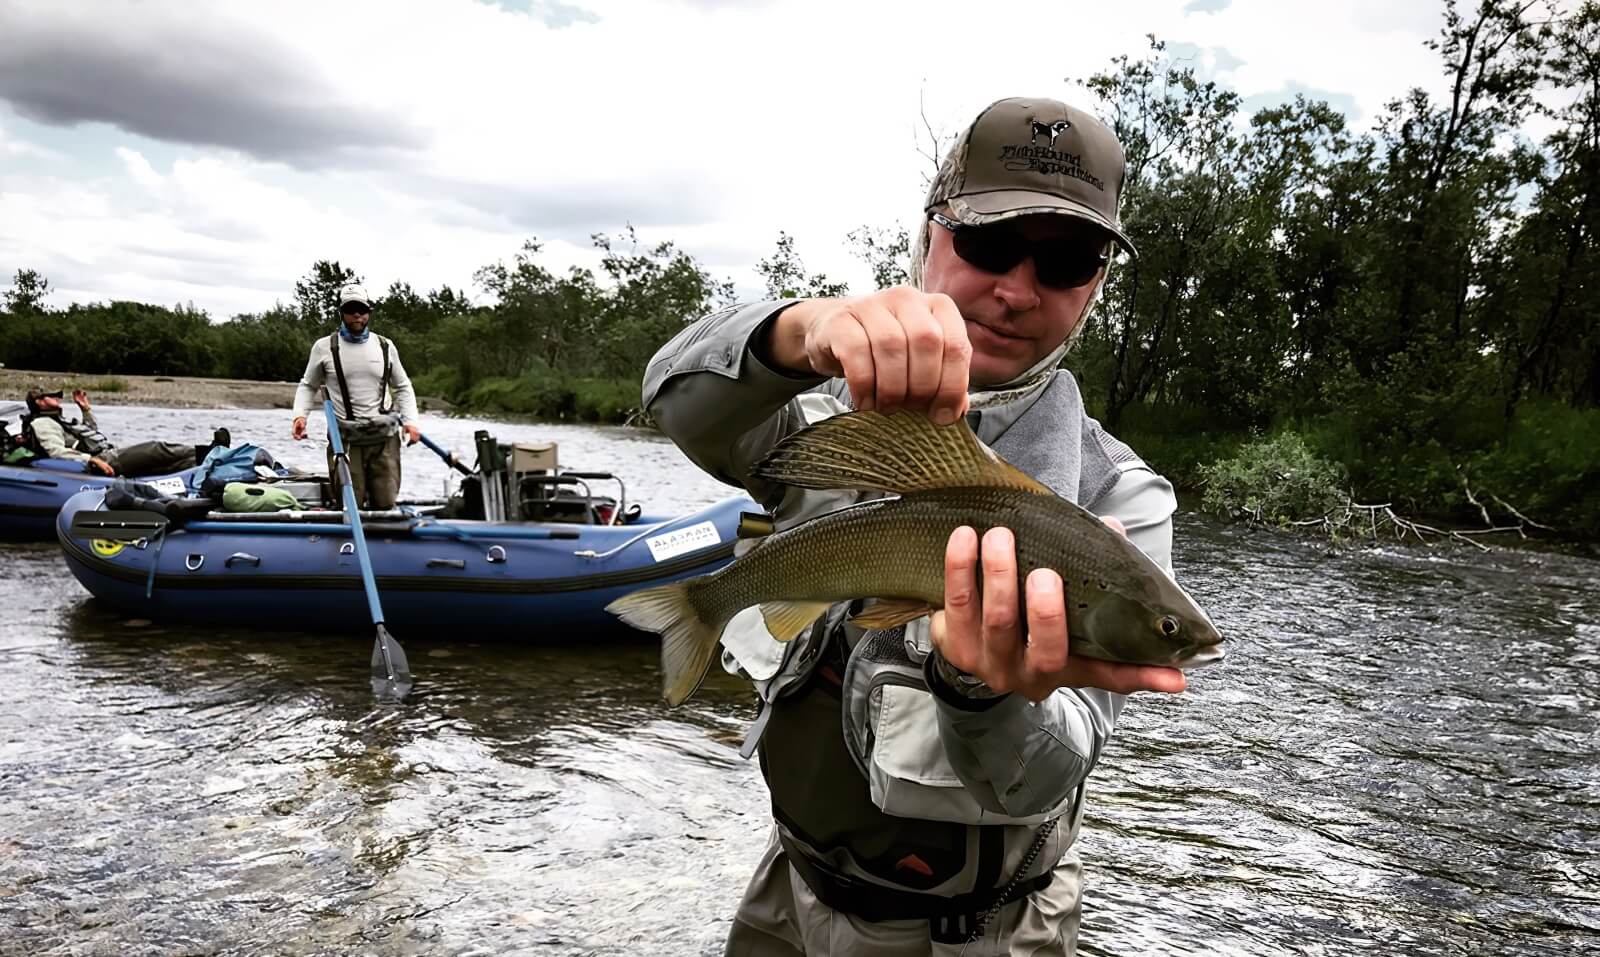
(1023, 156)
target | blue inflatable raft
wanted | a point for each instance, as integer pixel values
(530, 580)
(31, 495)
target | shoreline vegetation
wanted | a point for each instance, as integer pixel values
(1325, 326)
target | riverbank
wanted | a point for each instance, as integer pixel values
(168, 392)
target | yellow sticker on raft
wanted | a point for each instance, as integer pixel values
(106, 549)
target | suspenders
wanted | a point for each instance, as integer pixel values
(344, 386)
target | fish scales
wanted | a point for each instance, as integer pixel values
(895, 549)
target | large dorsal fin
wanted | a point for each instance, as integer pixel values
(897, 452)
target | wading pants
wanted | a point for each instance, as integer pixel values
(374, 472)
(780, 917)
(149, 458)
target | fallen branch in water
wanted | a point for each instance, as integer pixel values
(1374, 521)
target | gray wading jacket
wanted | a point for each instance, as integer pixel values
(71, 441)
(1016, 764)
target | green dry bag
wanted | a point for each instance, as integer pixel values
(247, 497)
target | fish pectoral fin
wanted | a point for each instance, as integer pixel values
(889, 612)
(786, 619)
(897, 452)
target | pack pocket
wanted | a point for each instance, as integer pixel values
(373, 431)
(891, 728)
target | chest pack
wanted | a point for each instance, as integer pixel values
(354, 431)
(88, 440)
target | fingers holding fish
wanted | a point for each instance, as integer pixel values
(979, 631)
(924, 336)
(888, 351)
(896, 348)
(837, 345)
(955, 630)
(955, 356)
(1002, 643)
(1046, 649)
(1083, 672)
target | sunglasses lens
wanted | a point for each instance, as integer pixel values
(1067, 265)
(992, 250)
(355, 310)
(1059, 263)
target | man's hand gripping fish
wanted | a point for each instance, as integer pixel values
(1121, 606)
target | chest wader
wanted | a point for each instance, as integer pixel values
(822, 801)
(344, 384)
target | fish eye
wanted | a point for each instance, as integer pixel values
(1169, 625)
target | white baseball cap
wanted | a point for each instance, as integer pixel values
(354, 292)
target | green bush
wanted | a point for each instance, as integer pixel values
(443, 381)
(1274, 480)
(1547, 467)
(605, 400)
(532, 393)
(1178, 442)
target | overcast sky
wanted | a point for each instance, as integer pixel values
(171, 151)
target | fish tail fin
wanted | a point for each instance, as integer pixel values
(688, 641)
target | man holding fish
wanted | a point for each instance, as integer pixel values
(943, 630)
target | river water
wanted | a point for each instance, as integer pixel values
(1398, 756)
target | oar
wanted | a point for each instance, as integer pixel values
(391, 675)
(448, 456)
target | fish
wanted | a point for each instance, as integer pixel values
(1121, 605)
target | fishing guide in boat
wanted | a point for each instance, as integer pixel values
(47, 434)
(928, 779)
(367, 371)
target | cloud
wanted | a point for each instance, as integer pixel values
(185, 79)
(1208, 63)
(212, 152)
(575, 208)
(1206, 6)
(11, 146)
(552, 13)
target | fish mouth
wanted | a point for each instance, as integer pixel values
(1203, 655)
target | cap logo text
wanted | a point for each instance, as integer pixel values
(1048, 162)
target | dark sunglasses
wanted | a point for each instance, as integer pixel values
(1060, 263)
(354, 309)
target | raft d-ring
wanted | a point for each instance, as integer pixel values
(348, 548)
(193, 561)
(497, 554)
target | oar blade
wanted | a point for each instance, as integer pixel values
(114, 523)
(391, 673)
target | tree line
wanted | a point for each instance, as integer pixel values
(1417, 302)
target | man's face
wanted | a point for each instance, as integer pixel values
(1013, 320)
(355, 317)
(48, 404)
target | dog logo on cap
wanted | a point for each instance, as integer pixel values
(1051, 130)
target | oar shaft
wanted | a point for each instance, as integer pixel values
(341, 463)
(448, 456)
(391, 673)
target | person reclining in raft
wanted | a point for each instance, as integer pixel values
(52, 436)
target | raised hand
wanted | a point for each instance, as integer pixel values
(895, 348)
